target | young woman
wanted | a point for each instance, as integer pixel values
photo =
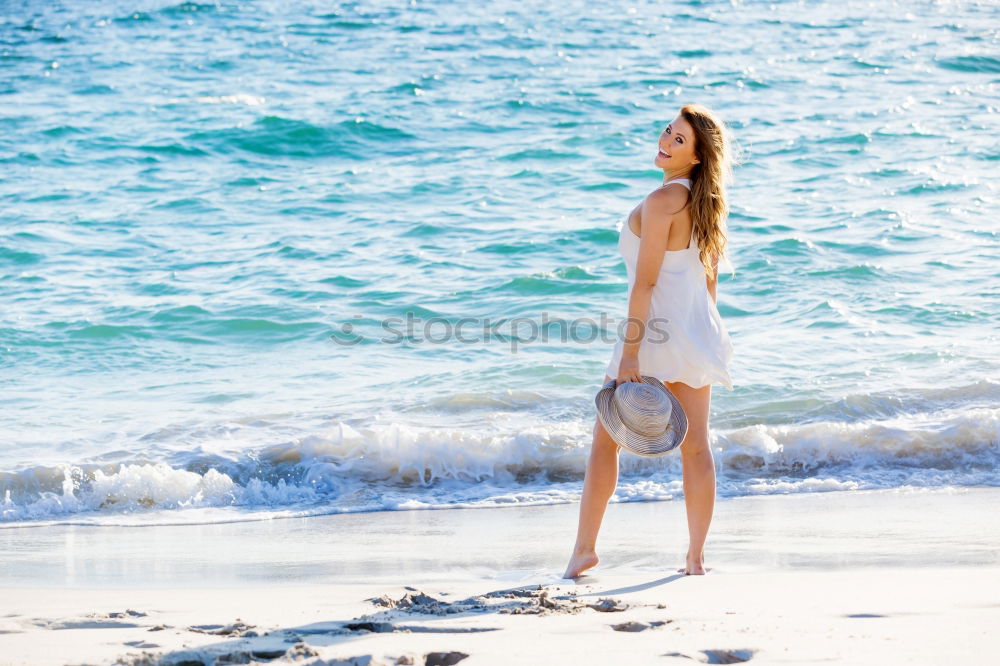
(672, 244)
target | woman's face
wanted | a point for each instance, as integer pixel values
(676, 146)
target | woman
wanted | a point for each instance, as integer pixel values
(672, 244)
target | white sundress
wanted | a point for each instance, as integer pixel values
(696, 348)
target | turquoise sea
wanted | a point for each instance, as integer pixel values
(218, 219)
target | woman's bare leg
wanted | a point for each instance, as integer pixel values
(699, 471)
(598, 486)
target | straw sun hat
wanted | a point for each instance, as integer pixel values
(644, 418)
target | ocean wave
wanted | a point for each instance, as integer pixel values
(398, 466)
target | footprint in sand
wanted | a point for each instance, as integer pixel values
(638, 626)
(608, 605)
(718, 656)
(86, 623)
(443, 658)
(238, 628)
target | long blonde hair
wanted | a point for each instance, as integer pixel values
(709, 179)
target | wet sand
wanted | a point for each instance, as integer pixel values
(845, 577)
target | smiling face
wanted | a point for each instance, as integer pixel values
(676, 146)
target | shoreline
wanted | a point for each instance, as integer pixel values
(443, 542)
(848, 577)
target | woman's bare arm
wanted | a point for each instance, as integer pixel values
(658, 210)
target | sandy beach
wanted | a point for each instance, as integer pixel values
(844, 577)
(305, 307)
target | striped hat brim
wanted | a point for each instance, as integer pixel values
(633, 441)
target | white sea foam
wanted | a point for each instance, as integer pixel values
(398, 466)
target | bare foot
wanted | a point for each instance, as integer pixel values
(694, 566)
(579, 563)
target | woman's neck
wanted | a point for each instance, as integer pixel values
(667, 177)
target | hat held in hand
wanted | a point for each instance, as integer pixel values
(644, 418)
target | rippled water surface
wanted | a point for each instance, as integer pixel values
(196, 197)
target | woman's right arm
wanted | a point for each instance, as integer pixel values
(658, 210)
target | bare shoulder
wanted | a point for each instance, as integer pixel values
(665, 202)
